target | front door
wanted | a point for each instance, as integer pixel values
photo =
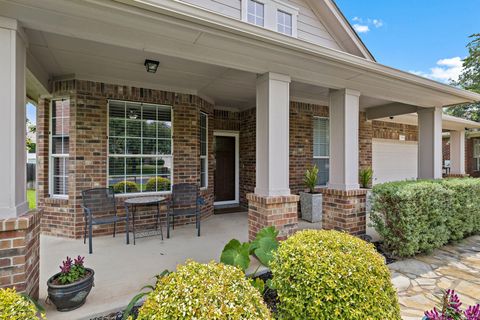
(225, 168)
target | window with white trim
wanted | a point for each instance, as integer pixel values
(476, 155)
(255, 13)
(59, 146)
(321, 148)
(139, 147)
(203, 150)
(275, 15)
(284, 22)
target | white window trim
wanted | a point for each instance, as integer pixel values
(329, 146)
(205, 156)
(270, 8)
(476, 157)
(133, 194)
(236, 135)
(50, 155)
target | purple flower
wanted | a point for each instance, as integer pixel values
(473, 313)
(66, 265)
(453, 300)
(434, 315)
(79, 261)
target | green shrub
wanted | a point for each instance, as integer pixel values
(310, 178)
(419, 216)
(158, 184)
(16, 307)
(204, 291)
(365, 176)
(322, 274)
(125, 187)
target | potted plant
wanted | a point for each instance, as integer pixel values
(69, 288)
(311, 202)
(365, 177)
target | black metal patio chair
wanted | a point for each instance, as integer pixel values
(185, 202)
(100, 207)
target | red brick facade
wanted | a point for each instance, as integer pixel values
(20, 253)
(469, 168)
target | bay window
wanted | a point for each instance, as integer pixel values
(59, 146)
(139, 147)
(321, 149)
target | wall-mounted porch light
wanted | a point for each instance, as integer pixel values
(151, 65)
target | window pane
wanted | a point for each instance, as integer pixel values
(323, 170)
(116, 166)
(116, 127)
(133, 166)
(165, 130)
(149, 128)
(203, 172)
(134, 128)
(149, 146)
(149, 112)
(164, 165)
(133, 184)
(164, 147)
(149, 166)
(133, 146)
(116, 145)
(116, 109)
(164, 113)
(321, 137)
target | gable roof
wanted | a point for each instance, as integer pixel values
(340, 28)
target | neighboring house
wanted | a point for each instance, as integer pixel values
(247, 96)
(472, 152)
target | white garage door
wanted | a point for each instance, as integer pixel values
(394, 160)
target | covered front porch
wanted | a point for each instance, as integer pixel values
(122, 270)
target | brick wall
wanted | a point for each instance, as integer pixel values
(247, 154)
(20, 253)
(445, 149)
(469, 158)
(89, 144)
(391, 130)
(365, 142)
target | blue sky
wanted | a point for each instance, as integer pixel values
(426, 37)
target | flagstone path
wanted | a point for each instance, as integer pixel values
(420, 280)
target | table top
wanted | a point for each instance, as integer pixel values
(145, 200)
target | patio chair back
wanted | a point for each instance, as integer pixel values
(184, 196)
(100, 201)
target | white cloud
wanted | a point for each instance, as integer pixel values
(363, 25)
(446, 70)
(361, 28)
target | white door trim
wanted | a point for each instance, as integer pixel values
(236, 135)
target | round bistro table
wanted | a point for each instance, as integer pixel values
(133, 203)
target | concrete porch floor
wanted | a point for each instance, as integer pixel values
(121, 270)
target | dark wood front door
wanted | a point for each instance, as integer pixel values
(225, 168)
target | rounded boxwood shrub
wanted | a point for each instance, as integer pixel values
(211, 291)
(323, 274)
(125, 187)
(158, 184)
(15, 307)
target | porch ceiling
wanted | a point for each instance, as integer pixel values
(62, 56)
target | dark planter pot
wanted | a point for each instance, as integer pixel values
(70, 296)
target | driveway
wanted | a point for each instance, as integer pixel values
(420, 280)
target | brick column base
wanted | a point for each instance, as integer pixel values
(457, 175)
(345, 210)
(20, 253)
(280, 212)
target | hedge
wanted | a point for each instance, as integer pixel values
(419, 216)
(321, 274)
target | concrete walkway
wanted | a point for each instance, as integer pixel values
(420, 280)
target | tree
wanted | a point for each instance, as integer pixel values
(469, 80)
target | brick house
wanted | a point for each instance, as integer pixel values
(247, 96)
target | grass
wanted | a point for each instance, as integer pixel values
(31, 198)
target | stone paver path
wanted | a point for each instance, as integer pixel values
(419, 280)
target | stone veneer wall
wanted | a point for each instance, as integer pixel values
(20, 253)
(88, 150)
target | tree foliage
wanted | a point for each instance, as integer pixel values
(469, 80)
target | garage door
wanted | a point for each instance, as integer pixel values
(394, 160)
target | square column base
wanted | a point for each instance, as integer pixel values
(345, 210)
(20, 253)
(278, 211)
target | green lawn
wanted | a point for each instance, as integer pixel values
(31, 198)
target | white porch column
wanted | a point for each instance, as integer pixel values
(430, 143)
(272, 150)
(344, 126)
(457, 152)
(12, 122)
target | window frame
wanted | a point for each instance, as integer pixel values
(141, 155)
(329, 154)
(270, 20)
(283, 24)
(256, 16)
(476, 157)
(51, 156)
(205, 156)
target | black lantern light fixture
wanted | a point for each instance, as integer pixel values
(151, 65)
